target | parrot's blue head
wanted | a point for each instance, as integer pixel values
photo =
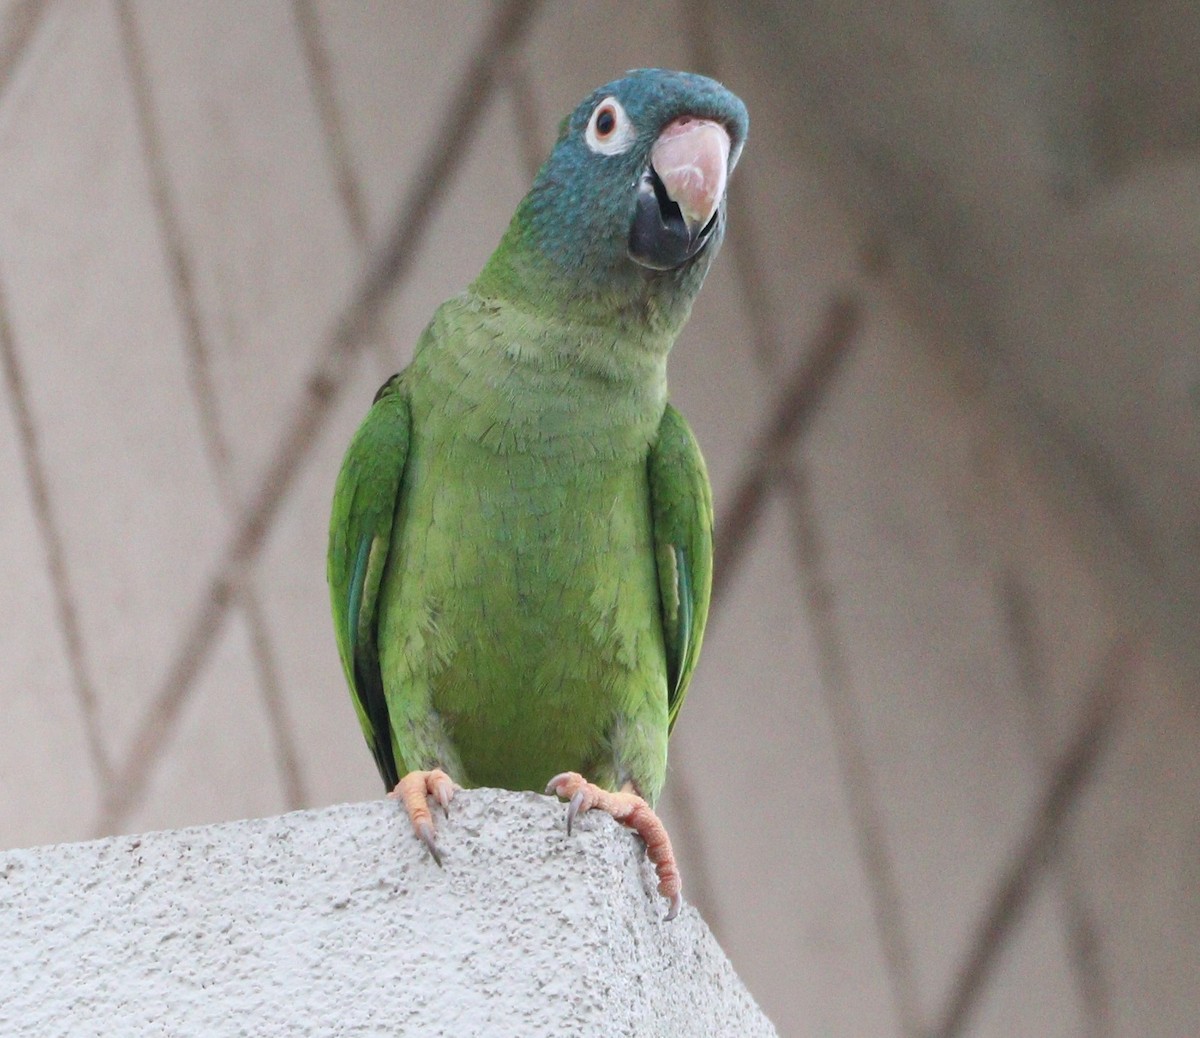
(629, 209)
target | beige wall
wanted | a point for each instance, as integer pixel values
(937, 774)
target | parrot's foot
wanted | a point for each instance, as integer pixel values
(413, 792)
(629, 809)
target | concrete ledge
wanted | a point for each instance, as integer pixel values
(336, 922)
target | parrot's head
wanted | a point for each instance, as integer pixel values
(628, 211)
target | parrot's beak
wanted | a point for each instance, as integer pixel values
(680, 193)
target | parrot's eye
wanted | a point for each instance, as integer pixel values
(609, 130)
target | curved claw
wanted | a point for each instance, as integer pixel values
(573, 809)
(675, 906)
(424, 832)
(558, 785)
(442, 792)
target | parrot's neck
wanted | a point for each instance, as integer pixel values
(519, 381)
(565, 353)
(645, 309)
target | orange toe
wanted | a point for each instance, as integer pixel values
(629, 809)
(413, 791)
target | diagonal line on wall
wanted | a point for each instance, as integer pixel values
(738, 523)
(852, 757)
(1029, 651)
(510, 22)
(775, 470)
(23, 20)
(52, 541)
(333, 129)
(794, 412)
(522, 94)
(804, 390)
(698, 19)
(805, 386)
(316, 56)
(204, 393)
(1043, 840)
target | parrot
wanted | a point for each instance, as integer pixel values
(520, 547)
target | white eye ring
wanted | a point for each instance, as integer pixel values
(609, 130)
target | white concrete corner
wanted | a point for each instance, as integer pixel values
(336, 922)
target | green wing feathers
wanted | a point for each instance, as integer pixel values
(681, 503)
(360, 534)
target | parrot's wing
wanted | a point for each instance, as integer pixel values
(360, 535)
(681, 507)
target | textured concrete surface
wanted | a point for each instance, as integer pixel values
(337, 922)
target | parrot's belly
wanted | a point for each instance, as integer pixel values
(523, 608)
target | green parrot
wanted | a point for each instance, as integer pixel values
(520, 551)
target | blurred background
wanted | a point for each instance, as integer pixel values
(939, 772)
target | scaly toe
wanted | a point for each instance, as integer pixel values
(631, 810)
(443, 789)
(414, 791)
(584, 796)
(565, 784)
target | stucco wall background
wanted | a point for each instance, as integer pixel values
(937, 774)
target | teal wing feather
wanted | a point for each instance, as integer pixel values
(360, 535)
(681, 507)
